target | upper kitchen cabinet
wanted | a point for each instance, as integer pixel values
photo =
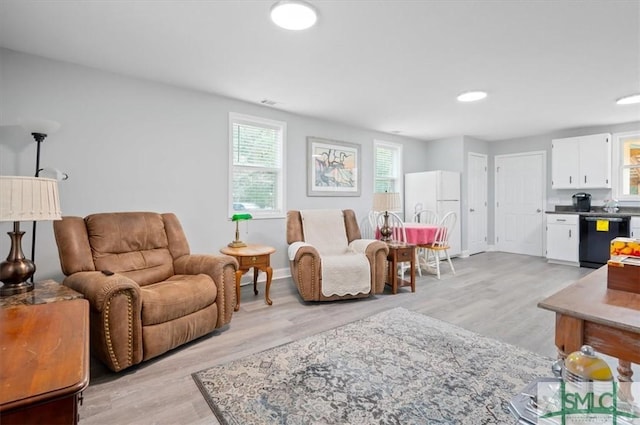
(581, 162)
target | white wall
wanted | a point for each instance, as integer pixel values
(129, 144)
(446, 154)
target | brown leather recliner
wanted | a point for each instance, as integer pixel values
(306, 262)
(147, 293)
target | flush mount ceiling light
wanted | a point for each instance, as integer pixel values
(293, 14)
(629, 100)
(472, 96)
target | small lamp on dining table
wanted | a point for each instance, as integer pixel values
(238, 218)
(386, 201)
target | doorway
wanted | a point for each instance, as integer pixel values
(520, 188)
(477, 203)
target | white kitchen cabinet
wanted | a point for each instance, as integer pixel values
(635, 227)
(581, 162)
(563, 238)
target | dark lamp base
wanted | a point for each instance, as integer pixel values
(15, 272)
(385, 230)
(15, 288)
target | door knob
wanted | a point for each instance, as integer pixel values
(471, 210)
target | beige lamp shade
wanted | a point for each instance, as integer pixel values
(386, 201)
(29, 199)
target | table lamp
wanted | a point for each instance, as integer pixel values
(238, 218)
(386, 201)
(24, 199)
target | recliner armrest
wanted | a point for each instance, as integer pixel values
(115, 316)
(211, 265)
(222, 269)
(97, 287)
(362, 245)
(297, 249)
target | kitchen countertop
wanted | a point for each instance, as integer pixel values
(596, 211)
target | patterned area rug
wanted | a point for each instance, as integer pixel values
(396, 367)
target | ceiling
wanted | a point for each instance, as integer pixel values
(392, 66)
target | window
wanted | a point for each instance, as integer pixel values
(627, 158)
(256, 166)
(387, 167)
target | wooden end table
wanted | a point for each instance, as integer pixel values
(399, 253)
(253, 256)
(45, 362)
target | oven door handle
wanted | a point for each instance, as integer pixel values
(614, 219)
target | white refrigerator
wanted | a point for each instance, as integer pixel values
(438, 191)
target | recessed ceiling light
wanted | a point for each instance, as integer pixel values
(629, 100)
(472, 96)
(293, 14)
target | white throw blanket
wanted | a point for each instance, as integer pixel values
(344, 271)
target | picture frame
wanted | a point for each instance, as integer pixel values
(333, 167)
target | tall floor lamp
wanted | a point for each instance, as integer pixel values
(24, 199)
(39, 129)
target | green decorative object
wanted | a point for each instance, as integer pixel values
(237, 243)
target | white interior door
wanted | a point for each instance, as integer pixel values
(520, 181)
(477, 203)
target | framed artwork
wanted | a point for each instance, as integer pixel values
(333, 168)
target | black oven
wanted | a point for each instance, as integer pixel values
(596, 233)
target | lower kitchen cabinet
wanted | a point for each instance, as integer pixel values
(563, 239)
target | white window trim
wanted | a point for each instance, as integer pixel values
(400, 178)
(280, 125)
(616, 175)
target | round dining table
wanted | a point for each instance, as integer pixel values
(420, 233)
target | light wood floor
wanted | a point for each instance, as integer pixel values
(494, 294)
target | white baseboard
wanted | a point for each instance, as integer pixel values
(465, 253)
(564, 263)
(247, 279)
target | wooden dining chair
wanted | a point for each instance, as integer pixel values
(398, 232)
(424, 217)
(441, 243)
(373, 220)
(367, 231)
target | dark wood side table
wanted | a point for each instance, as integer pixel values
(45, 362)
(399, 253)
(256, 256)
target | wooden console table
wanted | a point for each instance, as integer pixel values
(45, 362)
(587, 312)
